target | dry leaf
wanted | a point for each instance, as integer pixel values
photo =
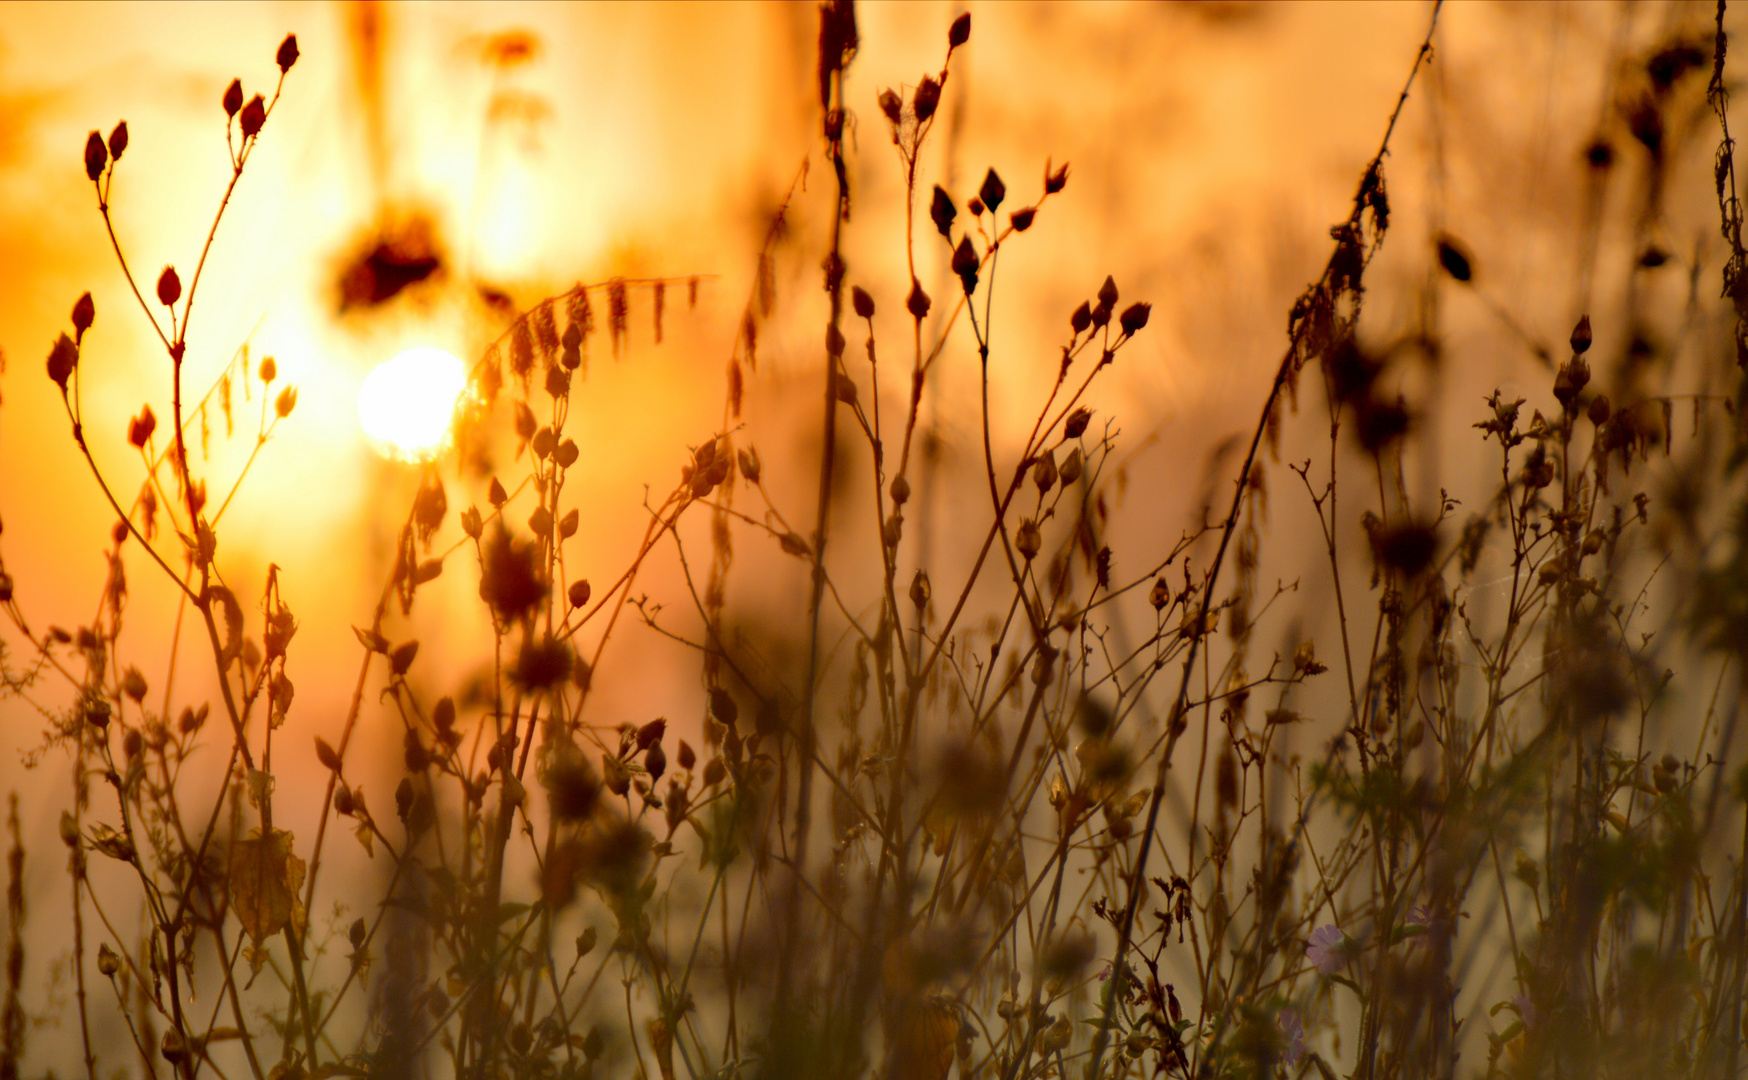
(265, 878)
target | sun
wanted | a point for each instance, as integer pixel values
(406, 403)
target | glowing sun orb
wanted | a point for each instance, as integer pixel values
(406, 403)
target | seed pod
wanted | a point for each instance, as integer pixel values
(133, 684)
(965, 264)
(1044, 473)
(254, 115)
(579, 593)
(169, 287)
(140, 428)
(96, 156)
(1055, 181)
(960, 32)
(567, 525)
(84, 313)
(723, 707)
(859, 300)
(1581, 335)
(1599, 410)
(992, 191)
(233, 99)
(1022, 219)
(900, 490)
(926, 99)
(942, 212)
(919, 589)
(566, 454)
(1134, 317)
(1070, 469)
(656, 761)
(975, 205)
(287, 54)
(917, 303)
(687, 757)
(749, 464)
(1081, 319)
(107, 961)
(471, 523)
(118, 141)
(344, 804)
(1077, 422)
(326, 755)
(495, 494)
(846, 388)
(542, 443)
(714, 772)
(891, 107)
(1028, 539)
(269, 370)
(1161, 594)
(1108, 293)
(63, 358)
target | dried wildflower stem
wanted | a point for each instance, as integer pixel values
(1283, 373)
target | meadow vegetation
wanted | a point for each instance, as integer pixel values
(1073, 812)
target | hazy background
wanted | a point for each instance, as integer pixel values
(1212, 145)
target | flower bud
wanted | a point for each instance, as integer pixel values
(269, 370)
(919, 589)
(579, 593)
(861, 302)
(960, 32)
(63, 358)
(107, 961)
(891, 107)
(84, 313)
(1077, 422)
(1070, 468)
(233, 99)
(287, 54)
(1055, 181)
(286, 402)
(1108, 293)
(1044, 473)
(917, 303)
(926, 99)
(1028, 540)
(965, 263)
(1134, 317)
(942, 211)
(169, 287)
(749, 464)
(1581, 335)
(495, 494)
(992, 191)
(900, 490)
(1599, 410)
(1022, 219)
(1081, 319)
(96, 155)
(118, 141)
(254, 115)
(140, 428)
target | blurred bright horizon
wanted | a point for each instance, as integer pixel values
(512, 150)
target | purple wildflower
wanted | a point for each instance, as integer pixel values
(1325, 949)
(1293, 1031)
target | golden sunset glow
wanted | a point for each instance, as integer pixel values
(406, 403)
(852, 539)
